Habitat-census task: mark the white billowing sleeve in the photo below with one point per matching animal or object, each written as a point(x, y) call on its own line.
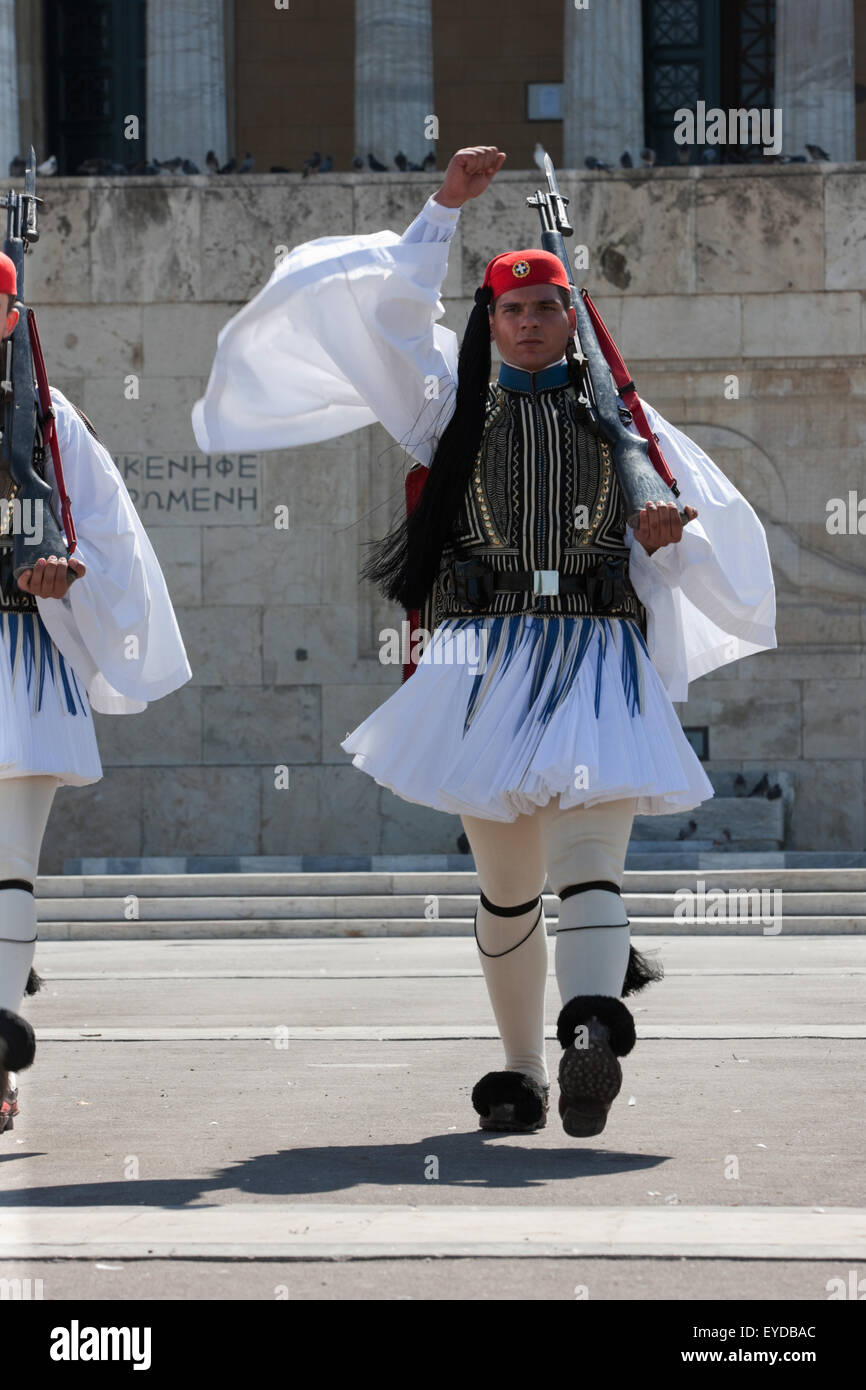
point(343, 334)
point(709, 597)
point(116, 624)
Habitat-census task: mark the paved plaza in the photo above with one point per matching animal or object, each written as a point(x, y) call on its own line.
point(291, 1118)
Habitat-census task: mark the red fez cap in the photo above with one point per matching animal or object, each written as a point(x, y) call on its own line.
point(515, 268)
point(8, 281)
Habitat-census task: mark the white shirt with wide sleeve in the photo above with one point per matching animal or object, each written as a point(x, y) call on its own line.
point(346, 332)
point(116, 625)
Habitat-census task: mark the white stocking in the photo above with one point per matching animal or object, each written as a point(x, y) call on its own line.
point(513, 948)
point(24, 806)
point(586, 845)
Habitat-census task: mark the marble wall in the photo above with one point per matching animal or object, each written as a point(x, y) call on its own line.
point(700, 273)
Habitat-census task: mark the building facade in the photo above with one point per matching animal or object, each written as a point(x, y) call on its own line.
point(737, 295)
point(280, 79)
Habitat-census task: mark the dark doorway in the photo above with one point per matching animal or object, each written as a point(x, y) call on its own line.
point(705, 50)
point(95, 77)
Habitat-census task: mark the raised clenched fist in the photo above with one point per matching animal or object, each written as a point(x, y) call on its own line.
point(468, 174)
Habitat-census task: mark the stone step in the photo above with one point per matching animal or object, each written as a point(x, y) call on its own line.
point(419, 905)
point(652, 856)
point(310, 927)
point(334, 884)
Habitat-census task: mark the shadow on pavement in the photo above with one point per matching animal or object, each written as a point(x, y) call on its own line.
point(466, 1161)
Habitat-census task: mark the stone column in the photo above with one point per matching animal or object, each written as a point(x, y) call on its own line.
point(9, 130)
point(602, 73)
point(393, 79)
point(186, 80)
point(815, 76)
point(30, 41)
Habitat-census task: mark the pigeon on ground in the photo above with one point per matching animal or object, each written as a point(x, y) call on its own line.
point(648, 157)
point(311, 163)
point(190, 168)
point(230, 167)
point(401, 161)
point(625, 160)
point(592, 163)
point(212, 163)
point(247, 164)
point(327, 164)
point(817, 153)
point(375, 165)
point(428, 162)
point(48, 167)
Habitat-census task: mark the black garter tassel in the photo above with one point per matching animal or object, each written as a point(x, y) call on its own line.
point(641, 972)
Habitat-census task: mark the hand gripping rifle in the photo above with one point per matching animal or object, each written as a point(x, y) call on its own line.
point(27, 423)
point(641, 469)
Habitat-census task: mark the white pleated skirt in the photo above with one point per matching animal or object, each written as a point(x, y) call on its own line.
point(46, 724)
point(504, 713)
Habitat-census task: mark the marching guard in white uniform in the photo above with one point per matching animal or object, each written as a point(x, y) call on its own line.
point(109, 641)
point(540, 711)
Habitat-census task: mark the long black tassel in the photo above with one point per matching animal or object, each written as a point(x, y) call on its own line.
point(34, 982)
point(406, 562)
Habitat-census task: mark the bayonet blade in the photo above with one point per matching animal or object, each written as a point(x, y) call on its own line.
point(30, 230)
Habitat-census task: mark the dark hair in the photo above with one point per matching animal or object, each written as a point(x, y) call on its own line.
point(405, 563)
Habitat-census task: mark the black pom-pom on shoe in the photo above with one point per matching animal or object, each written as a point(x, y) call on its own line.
point(511, 1101)
point(34, 982)
point(594, 1031)
point(17, 1042)
point(606, 1010)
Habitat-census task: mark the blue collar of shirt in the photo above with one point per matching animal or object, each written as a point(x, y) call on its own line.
point(515, 379)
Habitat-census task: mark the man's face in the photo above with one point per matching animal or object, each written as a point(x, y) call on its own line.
point(10, 316)
point(531, 326)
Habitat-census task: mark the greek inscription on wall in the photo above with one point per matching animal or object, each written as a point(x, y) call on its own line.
point(203, 489)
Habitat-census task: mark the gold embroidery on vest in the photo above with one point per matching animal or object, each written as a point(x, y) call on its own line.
point(606, 470)
point(480, 495)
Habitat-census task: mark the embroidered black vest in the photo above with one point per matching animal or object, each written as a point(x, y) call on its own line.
point(543, 495)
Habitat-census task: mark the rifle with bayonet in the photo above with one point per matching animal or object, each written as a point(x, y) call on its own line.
point(640, 466)
point(27, 423)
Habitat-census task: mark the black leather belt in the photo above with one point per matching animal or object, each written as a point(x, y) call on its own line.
point(475, 584)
